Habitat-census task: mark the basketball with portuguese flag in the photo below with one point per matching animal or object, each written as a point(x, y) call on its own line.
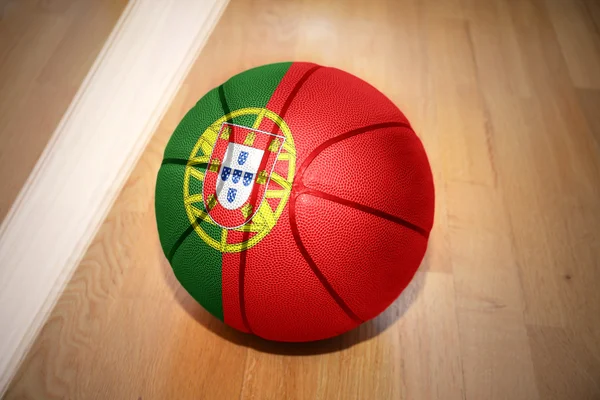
point(294, 202)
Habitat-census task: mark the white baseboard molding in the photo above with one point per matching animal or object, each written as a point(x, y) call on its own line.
point(88, 159)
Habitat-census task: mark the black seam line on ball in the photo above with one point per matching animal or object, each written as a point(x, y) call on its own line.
point(181, 161)
point(223, 99)
point(295, 90)
point(243, 256)
point(190, 229)
point(182, 238)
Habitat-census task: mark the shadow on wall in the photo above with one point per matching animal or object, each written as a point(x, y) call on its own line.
point(364, 332)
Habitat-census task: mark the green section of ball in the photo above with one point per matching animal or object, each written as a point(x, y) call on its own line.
point(171, 217)
point(198, 268)
point(252, 88)
point(197, 265)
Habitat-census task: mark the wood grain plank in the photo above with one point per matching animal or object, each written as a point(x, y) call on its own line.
point(589, 100)
point(497, 57)
point(592, 8)
point(459, 106)
point(548, 169)
point(489, 296)
point(46, 50)
point(565, 367)
point(558, 170)
point(579, 41)
point(489, 304)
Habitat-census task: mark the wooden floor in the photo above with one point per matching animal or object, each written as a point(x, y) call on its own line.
point(505, 95)
point(47, 48)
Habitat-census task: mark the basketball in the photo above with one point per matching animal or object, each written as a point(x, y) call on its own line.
point(294, 202)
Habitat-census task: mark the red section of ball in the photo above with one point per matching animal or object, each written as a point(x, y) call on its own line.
point(284, 300)
point(385, 169)
point(356, 226)
point(363, 256)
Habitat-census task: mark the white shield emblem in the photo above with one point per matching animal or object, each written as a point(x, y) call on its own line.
point(237, 175)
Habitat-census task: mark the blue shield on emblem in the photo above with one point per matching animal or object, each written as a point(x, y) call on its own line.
point(231, 194)
point(225, 172)
point(248, 178)
point(242, 157)
point(237, 174)
point(236, 181)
